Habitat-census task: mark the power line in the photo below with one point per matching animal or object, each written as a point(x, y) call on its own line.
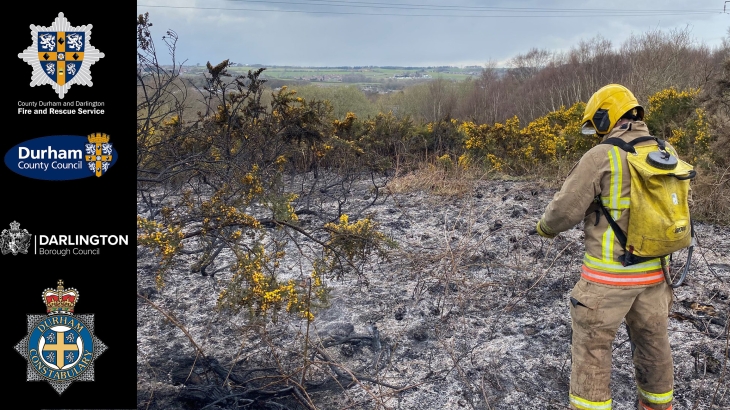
point(411, 6)
point(608, 13)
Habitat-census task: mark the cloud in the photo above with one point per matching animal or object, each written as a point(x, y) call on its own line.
point(410, 33)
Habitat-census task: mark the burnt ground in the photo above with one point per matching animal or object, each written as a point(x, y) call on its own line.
point(467, 312)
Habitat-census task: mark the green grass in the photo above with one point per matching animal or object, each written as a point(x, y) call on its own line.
point(371, 74)
point(357, 76)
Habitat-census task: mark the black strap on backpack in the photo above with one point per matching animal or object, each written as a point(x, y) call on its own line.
point(629, 146)
point(628, 258)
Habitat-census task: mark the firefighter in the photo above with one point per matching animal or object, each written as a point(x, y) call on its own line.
point(609, 292)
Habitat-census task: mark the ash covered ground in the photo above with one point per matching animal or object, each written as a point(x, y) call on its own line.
point(468, 312)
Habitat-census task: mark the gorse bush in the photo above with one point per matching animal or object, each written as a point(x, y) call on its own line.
point(677, 117)
point(213, 189)
point(509, 148)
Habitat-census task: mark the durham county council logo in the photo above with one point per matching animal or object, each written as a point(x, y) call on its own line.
point(61, 55)
point(62, 157)
point(14, 240)
point(61, 347)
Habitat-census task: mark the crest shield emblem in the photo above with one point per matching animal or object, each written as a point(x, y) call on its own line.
point(14, 240)
point(61, 55)
point(60, 347)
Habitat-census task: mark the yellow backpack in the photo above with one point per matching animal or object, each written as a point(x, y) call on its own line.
point(659, 223)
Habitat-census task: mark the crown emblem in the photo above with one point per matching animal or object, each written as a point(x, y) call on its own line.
point(98, 138)
point(60, 300)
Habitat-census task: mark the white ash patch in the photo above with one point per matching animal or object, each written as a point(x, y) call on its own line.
point(471, 312)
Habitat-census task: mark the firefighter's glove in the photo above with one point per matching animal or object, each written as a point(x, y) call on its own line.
point(543, 231)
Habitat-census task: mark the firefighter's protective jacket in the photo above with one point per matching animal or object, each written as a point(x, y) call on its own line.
point(602, 172)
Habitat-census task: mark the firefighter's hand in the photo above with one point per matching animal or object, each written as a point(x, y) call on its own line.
point(542, 231)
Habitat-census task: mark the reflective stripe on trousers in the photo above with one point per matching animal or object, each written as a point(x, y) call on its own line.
point(584, 404)
point(655, 398)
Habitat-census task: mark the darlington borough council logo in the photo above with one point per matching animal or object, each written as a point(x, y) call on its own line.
point(60, 347)
point(14, 240)
point(61, 55)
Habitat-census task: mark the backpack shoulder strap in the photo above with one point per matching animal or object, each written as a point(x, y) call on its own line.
point(628, 258)
point(616, 229)
point(629, 146)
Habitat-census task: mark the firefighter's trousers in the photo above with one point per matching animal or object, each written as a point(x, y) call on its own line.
point(597, 311)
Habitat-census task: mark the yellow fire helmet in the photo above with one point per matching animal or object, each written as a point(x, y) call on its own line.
point(607, 106)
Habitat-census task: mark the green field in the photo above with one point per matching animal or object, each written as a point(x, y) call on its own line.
point(369, 74)
point(353, 75)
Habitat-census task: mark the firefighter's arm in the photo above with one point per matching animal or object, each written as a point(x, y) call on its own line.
point(569, 205)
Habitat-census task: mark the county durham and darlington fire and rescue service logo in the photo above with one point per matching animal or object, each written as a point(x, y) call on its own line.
point(61, 55)
point(60, 347)
point(14, 240)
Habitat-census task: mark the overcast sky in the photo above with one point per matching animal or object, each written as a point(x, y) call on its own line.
point(414, 32)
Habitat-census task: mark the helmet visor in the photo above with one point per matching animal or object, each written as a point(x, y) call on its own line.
point(588, 128)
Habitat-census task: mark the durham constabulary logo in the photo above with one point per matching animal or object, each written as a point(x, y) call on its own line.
point(61, 55)
point(60, 347)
